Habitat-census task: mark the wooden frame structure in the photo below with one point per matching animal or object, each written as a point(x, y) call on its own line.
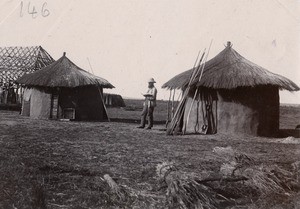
point(14, 63)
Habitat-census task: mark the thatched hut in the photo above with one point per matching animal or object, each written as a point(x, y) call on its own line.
point(62, 90)
point(234, 96)
point(113, 100)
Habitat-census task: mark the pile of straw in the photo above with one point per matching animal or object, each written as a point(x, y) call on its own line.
point(123, 196)
point(183, 189)
point(233, 161)
point(213, 189)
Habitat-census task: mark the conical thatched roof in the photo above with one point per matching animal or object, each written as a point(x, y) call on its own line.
point(230, 70)
point(63, 73)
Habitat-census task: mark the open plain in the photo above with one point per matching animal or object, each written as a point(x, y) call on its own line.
point(56, 164)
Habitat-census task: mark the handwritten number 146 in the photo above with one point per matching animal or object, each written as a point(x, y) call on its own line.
point(31, 10)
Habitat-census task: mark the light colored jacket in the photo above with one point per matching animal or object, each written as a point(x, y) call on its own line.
point(151, 100)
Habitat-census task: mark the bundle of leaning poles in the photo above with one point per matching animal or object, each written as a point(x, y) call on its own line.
point(175, 126)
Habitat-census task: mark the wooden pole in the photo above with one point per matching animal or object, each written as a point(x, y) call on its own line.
point(196, 92)
point(172, 113)
point(168, 109)
point(179, 111)
point(102, 101)
point(186, 92)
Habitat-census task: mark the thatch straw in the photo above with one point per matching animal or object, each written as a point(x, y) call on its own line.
point(63, 73)
point(179, 81)
point(183, 189)
point(264, 181)
point(210, 189)
point(230, 70)
point(232, 160)
point(115, 188)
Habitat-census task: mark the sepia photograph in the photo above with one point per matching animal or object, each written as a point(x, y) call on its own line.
point(150, 104)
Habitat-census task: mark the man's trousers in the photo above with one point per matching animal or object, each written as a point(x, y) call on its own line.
point(147, 111)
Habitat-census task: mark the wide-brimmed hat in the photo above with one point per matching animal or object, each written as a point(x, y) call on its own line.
point(151, 80)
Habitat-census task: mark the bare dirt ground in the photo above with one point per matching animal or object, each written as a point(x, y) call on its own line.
point(54, 164)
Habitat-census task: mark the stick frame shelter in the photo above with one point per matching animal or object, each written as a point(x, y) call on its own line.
point(14, 63)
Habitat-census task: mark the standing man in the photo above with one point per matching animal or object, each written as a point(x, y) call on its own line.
point(149, 104)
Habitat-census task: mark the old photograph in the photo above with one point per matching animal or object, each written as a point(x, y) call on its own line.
point(177, 104)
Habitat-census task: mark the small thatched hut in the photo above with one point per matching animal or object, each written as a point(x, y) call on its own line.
point(113, 100)
point(62, 90)
point(234, 96)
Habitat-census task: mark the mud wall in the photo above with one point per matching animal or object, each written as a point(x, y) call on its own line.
point(246, 110)
point(40, 103)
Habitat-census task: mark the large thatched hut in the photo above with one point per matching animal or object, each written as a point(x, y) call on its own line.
point(234, 96)
point(62, 90)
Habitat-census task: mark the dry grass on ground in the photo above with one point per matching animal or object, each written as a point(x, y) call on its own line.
point(56, 164)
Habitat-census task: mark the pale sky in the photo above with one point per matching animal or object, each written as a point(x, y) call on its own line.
point(129, 41)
